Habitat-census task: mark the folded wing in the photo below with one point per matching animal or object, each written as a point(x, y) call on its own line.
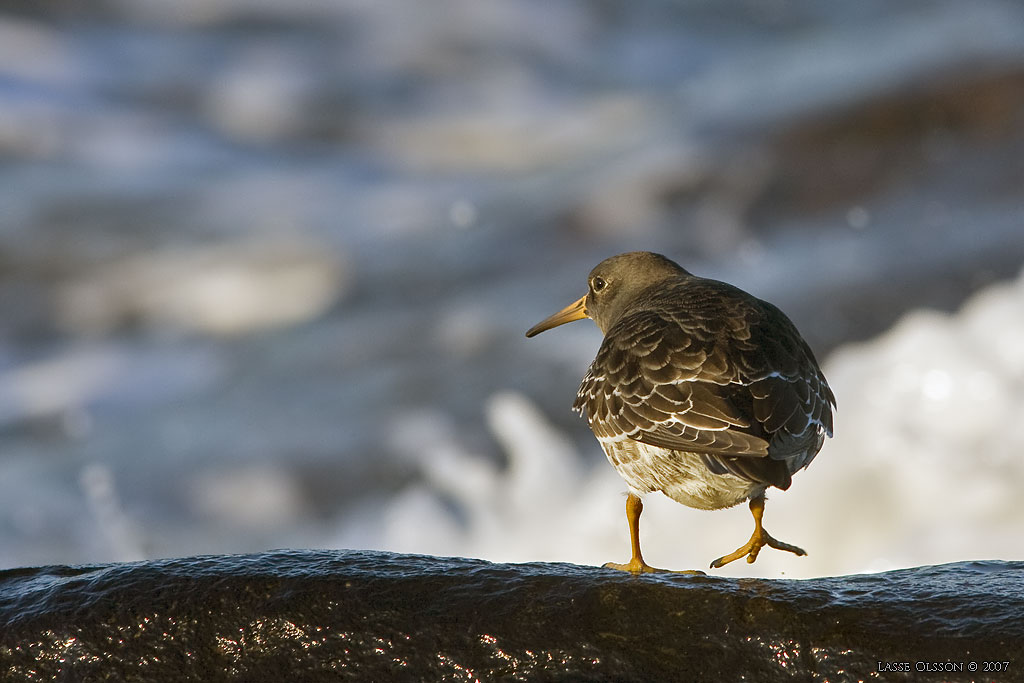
point(748, 394)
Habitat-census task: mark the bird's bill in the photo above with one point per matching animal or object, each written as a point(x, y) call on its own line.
point(577, 310)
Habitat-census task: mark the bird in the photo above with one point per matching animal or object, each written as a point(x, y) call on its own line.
point(699, 390)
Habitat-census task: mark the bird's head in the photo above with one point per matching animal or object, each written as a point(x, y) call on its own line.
point(612, 285)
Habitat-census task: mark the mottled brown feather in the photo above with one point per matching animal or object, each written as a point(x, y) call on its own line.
point(699, 366)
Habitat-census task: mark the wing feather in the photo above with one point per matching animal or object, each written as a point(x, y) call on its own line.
point(735, 385)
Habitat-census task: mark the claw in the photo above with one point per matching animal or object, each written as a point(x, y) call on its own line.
point(759, 539)
point(638, 566)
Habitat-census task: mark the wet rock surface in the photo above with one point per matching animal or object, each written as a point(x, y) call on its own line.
point(344, 615)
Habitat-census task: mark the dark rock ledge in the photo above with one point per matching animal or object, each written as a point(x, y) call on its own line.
point(337, 615)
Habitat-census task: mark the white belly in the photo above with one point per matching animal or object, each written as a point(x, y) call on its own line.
point(681, 476)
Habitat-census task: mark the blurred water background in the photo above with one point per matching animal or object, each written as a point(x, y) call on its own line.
point(265, 268)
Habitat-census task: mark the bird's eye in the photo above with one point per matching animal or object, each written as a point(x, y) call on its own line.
point(598, 284)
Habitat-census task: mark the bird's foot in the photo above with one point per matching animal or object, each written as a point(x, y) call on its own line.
point(638, 566)
point(759, 539)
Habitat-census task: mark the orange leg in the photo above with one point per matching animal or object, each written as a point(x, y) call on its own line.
point(759, 539)
point(636, 564)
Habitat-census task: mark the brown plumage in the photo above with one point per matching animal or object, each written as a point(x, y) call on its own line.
point(699, 390)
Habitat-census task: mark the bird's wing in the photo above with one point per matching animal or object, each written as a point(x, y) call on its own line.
point(790, 398)
point(654, 382)
point(720, 392)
